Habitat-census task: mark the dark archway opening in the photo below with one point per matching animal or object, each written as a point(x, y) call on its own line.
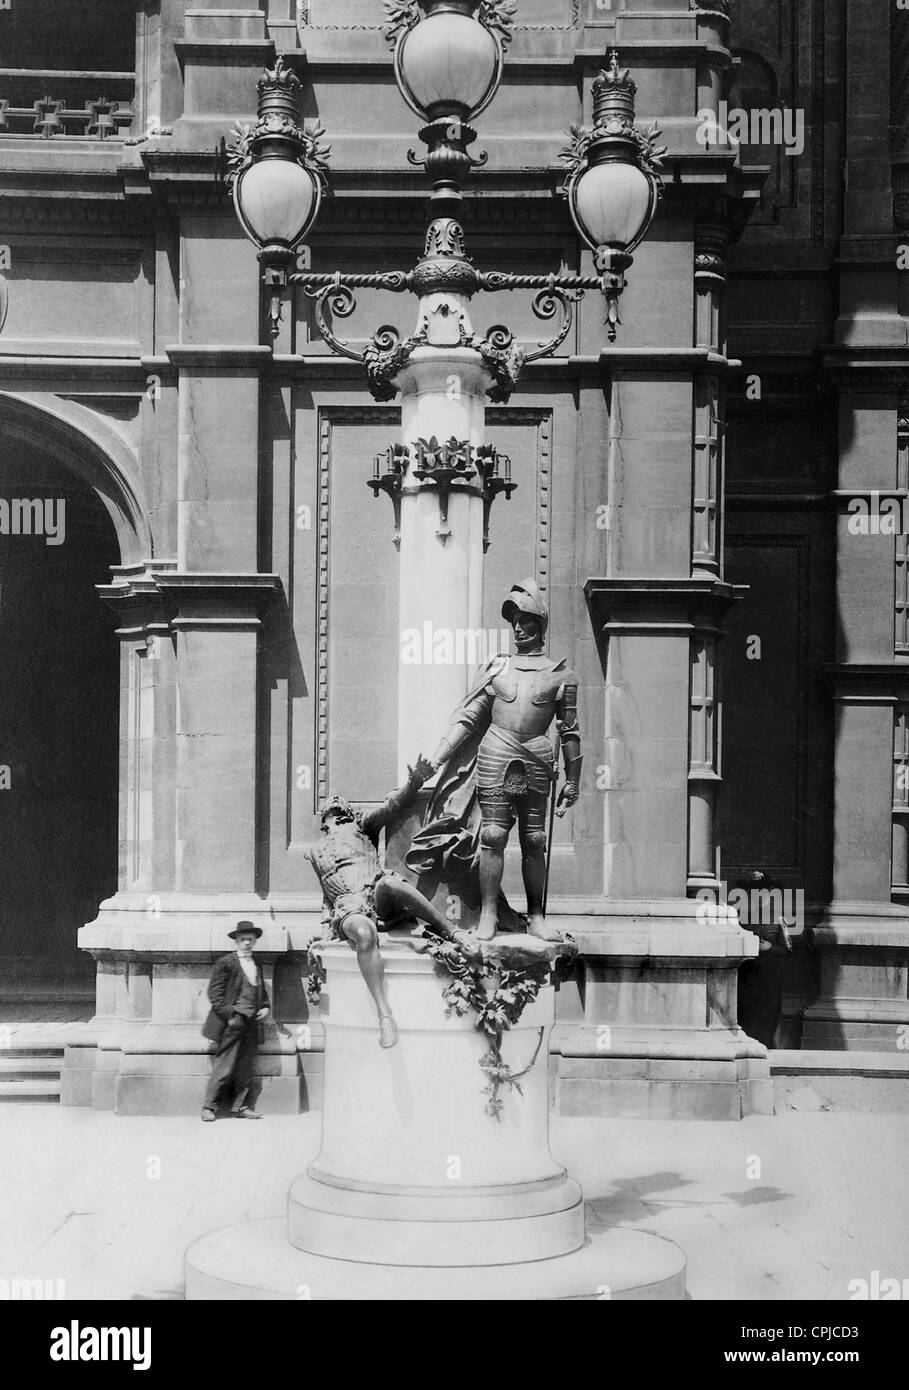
point(59, 733)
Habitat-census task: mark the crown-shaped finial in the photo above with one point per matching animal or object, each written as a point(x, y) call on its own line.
point(613, 96)
point(280, 101)
point(280, 76)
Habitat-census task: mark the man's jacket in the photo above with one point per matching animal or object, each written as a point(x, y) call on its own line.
point(223, 989)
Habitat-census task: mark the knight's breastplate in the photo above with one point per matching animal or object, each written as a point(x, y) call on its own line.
point(525, 697)
point(346, 862)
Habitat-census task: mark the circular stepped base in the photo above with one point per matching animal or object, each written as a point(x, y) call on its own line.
point(533, 1221)
point(256, 1261)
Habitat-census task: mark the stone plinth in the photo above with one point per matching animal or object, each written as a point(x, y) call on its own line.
point(412, 1170)
point(144, 1053)
point(863, 1004)
point(417, 1191)
point(652, 1030)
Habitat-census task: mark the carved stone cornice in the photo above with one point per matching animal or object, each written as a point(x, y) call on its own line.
point(218, 357)
point(629, 607)
point(303, 21)
point(87, 375)
point(230, 602)
point(43, 211)
point(610, 361)
point(870, 370)
point(868, 682)
point(252, 52)
point(156, 598)
point(135, 597)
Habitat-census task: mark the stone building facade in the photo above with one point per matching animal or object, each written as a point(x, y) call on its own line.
point(214, 646)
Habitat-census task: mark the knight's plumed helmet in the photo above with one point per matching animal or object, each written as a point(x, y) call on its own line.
point(526, 598)
point(337, 806)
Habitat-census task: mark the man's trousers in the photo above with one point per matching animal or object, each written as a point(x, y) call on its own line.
point(233, 1064)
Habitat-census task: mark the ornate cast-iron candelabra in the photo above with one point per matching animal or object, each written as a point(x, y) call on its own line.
point(448, 63)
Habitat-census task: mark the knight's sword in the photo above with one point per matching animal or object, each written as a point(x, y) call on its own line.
point(552, 801)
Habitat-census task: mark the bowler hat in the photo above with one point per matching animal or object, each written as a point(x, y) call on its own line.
point(245, 927)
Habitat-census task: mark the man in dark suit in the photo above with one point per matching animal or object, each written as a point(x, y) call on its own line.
point(238, 1004)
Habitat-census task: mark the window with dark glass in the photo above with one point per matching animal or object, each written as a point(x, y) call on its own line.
point(69, 35)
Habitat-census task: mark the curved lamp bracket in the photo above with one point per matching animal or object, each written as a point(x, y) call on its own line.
point(340, 300)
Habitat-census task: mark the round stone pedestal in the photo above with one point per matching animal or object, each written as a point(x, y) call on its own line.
point(255, 1261)
point(412, 1169)
point(417, 1191)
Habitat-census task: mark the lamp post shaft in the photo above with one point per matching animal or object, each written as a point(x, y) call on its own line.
point(443, 391)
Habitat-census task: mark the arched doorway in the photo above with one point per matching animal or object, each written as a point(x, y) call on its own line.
point(59, 721)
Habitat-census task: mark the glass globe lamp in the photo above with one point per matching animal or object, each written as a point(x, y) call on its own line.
point(448, 64)
point(613, 204)
point(277, 201)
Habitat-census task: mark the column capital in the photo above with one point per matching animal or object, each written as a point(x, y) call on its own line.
point(711, 244)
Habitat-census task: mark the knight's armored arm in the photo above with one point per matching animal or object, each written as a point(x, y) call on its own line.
point(567, 721)
point(469, 718)
point(451, 742)
point(399, 800)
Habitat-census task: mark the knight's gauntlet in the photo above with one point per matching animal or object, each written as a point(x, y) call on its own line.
point(573, 767)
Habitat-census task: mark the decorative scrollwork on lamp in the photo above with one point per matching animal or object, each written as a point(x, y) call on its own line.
point(385, 357)
point(448, 64)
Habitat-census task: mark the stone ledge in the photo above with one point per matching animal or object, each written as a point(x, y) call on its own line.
point(217, 356)
point(681, 1099)
point(787, 1062)
point(643, 1050)
point(622, 932)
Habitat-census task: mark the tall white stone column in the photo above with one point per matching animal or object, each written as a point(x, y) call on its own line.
point(443, 396)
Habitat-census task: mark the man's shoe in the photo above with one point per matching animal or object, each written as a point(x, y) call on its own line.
point(208, 1116)
point(246, 1113)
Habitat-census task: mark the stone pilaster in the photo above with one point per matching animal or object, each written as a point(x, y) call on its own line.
point(222, 52)
point(659, 1033)
point(863, 936)
point(189, 837)
point(191, 630)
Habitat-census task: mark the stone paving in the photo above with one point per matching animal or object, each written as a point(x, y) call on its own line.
point(790, 1206)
